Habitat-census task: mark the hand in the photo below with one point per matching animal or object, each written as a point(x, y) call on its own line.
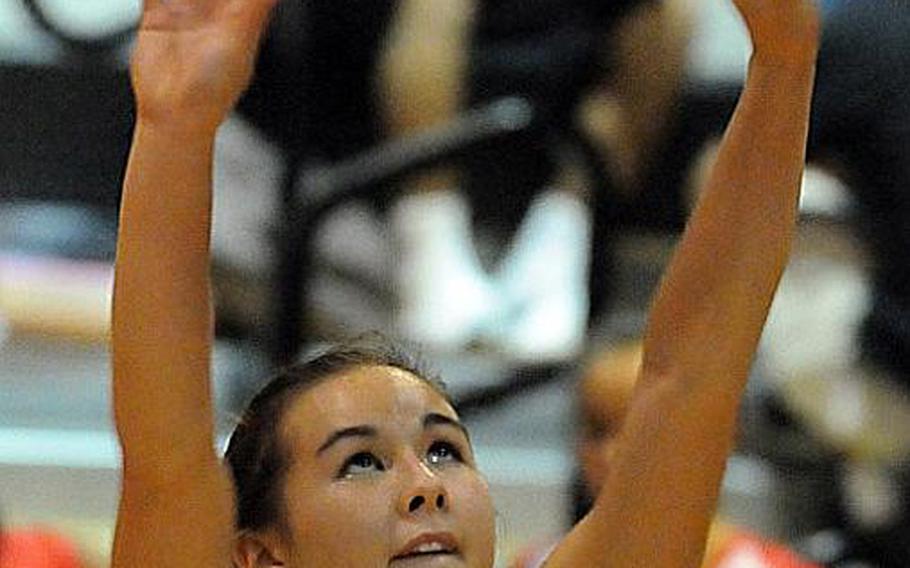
point(194, 58)
point(783, 31)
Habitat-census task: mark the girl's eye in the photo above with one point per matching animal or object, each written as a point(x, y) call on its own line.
point(362, 462)
point(443, 452)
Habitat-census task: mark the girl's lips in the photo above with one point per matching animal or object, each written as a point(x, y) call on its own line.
point(428, 543)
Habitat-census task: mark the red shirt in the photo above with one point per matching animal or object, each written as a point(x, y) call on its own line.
point(36, 549)
point(745, 550)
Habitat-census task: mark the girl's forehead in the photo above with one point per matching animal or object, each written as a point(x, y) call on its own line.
point(382, 397)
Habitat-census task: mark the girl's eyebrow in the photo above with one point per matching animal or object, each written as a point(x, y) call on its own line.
point(435, 419)
point(368, 431)
point(361, 431)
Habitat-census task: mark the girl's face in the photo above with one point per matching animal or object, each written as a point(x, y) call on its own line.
point(382, 474)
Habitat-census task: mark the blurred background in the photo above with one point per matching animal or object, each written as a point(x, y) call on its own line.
point(498, 184)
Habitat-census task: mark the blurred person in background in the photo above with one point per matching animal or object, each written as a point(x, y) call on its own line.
point(611, 71)
point(603, 395)
point(861, 130)
point(313, 92)
point(331, 83)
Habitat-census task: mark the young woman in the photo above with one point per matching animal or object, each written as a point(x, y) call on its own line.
point(365, 463)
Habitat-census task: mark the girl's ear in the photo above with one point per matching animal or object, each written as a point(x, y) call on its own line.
point(257, 550)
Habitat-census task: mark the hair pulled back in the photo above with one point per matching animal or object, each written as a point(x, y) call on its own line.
point(255, 453)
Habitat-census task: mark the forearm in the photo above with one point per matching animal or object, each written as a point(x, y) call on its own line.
point(162, 323)
point(710, 309)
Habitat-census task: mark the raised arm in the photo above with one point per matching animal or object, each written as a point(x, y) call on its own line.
point(707, 318)
point(192, 60)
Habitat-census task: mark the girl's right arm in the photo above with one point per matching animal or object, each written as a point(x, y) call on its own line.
point(192, 60)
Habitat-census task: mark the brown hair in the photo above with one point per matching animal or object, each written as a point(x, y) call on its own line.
point(255, 454)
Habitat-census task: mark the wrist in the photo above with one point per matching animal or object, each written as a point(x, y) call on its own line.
point(796, 57)
point(186, 133)
point(794, 45)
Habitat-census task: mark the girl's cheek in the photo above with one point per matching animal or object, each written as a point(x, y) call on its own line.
point(474, 491)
